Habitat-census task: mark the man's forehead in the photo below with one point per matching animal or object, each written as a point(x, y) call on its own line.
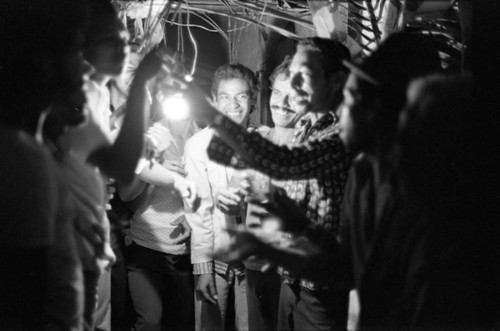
point(282, 80)
point(236, 85)
point(306, 56)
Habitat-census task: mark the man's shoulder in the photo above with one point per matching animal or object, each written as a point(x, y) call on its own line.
point(263, 130)
point(20, 147)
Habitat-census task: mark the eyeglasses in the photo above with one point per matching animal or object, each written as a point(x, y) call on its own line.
point(240, 98)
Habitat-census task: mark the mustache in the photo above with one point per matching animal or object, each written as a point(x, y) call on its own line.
point(283, 108)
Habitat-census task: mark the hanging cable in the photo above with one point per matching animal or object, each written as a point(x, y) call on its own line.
point(195, 46)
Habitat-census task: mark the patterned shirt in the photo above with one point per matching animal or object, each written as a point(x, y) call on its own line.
point(316, 167)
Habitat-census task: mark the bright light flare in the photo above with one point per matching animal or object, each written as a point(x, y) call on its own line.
point(176, 107)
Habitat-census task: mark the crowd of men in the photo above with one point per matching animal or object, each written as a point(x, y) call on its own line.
point(357, 210)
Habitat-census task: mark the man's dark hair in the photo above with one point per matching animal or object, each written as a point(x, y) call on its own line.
point(231, 71)
point(331, 53)
point(35, 36)
point(435, 143)
point(95, 12)
point(282, 69)
point(399, 59)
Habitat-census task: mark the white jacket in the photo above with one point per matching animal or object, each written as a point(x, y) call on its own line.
point(208, 222)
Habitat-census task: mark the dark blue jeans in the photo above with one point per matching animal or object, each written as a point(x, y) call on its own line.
point(161, 288)
point(263, 293)
point(303, 309)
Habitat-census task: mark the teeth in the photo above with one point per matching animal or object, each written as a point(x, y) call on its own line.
point(282, 112)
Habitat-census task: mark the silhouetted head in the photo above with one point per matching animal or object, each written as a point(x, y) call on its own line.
point(434, 142)
point(375, 91)
point(40, 59)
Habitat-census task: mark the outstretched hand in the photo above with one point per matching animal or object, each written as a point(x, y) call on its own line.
point(159, 137)
point(243, 244)
point(150, 65)
point(290, 214)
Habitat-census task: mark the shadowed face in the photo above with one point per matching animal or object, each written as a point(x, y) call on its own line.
point(308, 81)
point(356, 126)
point(73, 78)
point(108, 51)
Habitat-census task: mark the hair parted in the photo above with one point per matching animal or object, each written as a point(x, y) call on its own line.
point(232, 71)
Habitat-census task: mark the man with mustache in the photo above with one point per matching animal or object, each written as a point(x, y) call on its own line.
point(263, 288)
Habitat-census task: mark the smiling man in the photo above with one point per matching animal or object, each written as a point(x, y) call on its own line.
point(234, 90)
point(263, 288)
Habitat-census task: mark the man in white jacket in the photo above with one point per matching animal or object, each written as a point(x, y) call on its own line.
point(234, 90)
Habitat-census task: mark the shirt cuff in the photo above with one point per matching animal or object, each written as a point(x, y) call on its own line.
point(203, 268)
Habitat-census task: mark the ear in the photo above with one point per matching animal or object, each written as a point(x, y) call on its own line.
point(337, 81)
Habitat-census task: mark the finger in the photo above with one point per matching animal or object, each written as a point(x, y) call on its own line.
point(229, 200)
point(182, 237)
point(191, 201)
point(206, 296)
point(176, 168)
point(223, 208)
point(212, 292)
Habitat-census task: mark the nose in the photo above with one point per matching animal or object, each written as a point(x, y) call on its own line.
point(233, 102)
point(286, 101)
point(296, 81)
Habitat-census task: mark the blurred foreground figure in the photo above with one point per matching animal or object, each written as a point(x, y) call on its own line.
point(453, 280)
point(41, 65)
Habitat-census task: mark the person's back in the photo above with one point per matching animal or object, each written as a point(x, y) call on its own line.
point(28, 228)
point(375, 215)
point(41, 67)
point(457, 284)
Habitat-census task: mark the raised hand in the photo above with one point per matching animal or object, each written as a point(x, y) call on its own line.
point(159, 137)
point(150, 65)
